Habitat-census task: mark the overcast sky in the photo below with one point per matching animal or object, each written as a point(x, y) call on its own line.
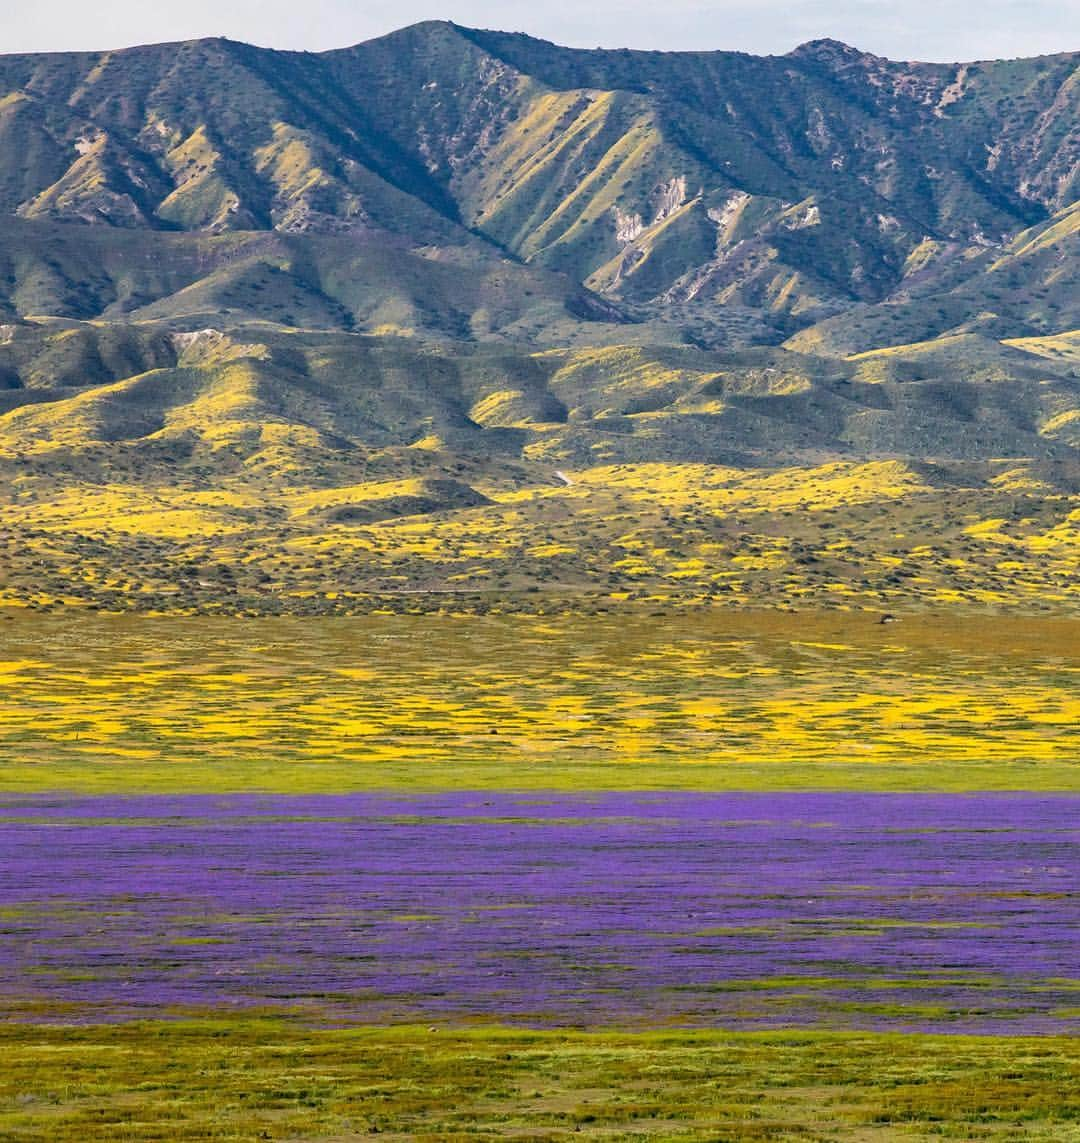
point(903, 29)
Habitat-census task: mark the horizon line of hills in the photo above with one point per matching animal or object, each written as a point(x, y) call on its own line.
point(815, 43)
point(479, 243)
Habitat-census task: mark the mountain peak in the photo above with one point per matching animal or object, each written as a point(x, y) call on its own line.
point(827, 48)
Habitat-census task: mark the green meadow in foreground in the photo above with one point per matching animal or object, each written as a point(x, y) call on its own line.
point(250, 1078)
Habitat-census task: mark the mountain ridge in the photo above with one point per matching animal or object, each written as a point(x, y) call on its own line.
point(815, 42)
point(693, 189)
point(271, 311)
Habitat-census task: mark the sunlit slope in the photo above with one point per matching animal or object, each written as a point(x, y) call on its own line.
point(821, 190)
point(1026, 286)
point(798, 186)
point(88, 388)
point(319, 472)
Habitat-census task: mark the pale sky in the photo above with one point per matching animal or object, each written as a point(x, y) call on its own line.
point(902, 29)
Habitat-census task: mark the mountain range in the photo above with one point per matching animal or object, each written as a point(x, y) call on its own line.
point(294, 295)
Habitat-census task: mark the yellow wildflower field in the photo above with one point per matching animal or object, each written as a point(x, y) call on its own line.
point(709, 699)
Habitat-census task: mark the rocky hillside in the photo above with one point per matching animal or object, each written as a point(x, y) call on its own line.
point(276, 323)
point(751, 197)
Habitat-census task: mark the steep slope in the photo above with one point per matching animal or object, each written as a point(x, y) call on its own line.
point(209, 135)
point(794, 185)
point(1024, 287)
point(464, 312)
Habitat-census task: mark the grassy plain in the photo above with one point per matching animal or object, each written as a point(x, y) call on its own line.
point(606, 660)
point(641, 695)
point(635, 698)
point(247, 1079)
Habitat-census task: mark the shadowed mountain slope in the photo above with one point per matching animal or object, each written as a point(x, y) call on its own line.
point(645, 321)
point(795, 184)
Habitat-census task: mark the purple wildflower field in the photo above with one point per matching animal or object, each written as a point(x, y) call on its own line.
point(850, 910)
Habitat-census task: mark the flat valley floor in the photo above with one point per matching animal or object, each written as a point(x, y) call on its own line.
point(689, 875)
